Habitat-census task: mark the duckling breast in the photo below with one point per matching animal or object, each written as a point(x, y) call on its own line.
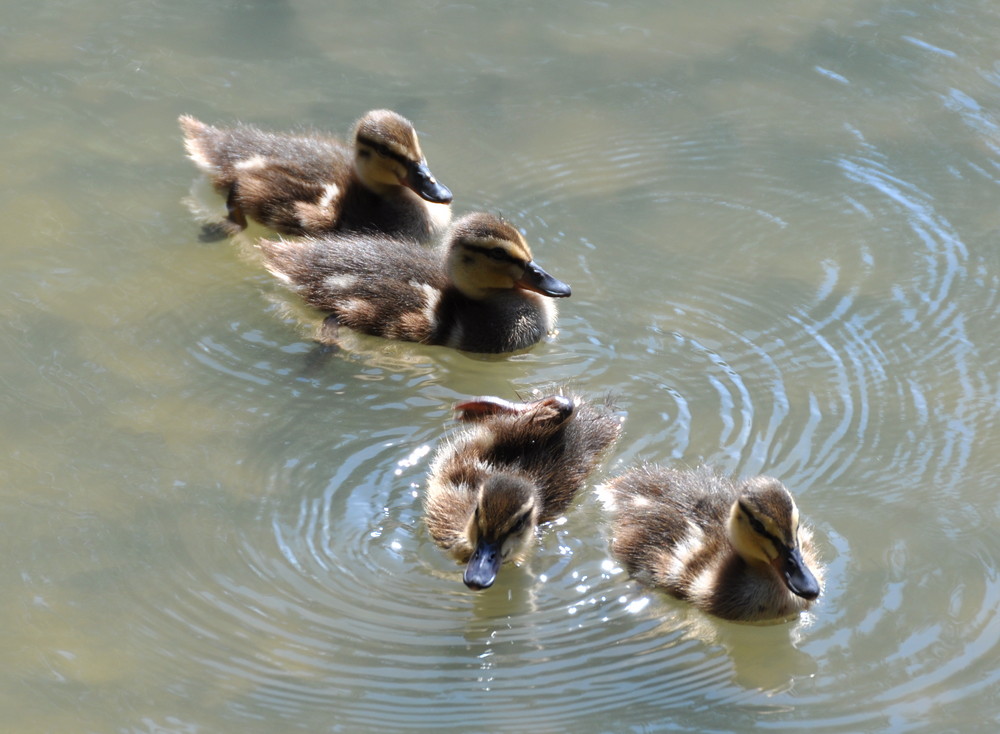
point(506, 322)
point(749, 593)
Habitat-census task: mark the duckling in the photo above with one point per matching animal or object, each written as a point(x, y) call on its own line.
point(733, 550)
point(480, 291)
point(515, 467)
point(310, 184)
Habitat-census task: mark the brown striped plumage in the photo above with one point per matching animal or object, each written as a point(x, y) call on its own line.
point(733, 550)
point(310, 184)
point(480, 291)
point(514, 467)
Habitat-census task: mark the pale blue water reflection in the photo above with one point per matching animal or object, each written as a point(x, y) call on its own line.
point(779, 221)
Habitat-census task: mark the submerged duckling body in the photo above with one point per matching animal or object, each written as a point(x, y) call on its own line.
point(735, 550)
point(515, 467)
point(309, 184)
point(480, 291)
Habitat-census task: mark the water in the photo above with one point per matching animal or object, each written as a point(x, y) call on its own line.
point(779, 221)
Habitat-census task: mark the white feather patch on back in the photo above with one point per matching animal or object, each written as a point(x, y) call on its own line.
point(330, 192)
point(431, 297)
point(685, 551)
point(253, 163)
point(340, 282)
point(702, 586)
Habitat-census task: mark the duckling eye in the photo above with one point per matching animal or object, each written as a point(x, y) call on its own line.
point(758, 527)
point(756, 524)
point(520, 524)
point(379, 149)
point(497, 253)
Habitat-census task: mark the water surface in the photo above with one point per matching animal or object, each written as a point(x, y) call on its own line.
point(779, 221)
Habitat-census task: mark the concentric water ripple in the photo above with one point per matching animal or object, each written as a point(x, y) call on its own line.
point(359, 602)
point(780, 230)
point(327, 595)
point(760, 364)
point(812, 391)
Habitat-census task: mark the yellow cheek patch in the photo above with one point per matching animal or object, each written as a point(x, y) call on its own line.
point(767, 548)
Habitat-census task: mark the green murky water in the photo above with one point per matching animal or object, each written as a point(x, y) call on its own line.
point(779, 221)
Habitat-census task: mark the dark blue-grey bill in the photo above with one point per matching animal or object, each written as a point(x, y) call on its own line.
point(482, 569)
point(421, 180)
point(536, 279)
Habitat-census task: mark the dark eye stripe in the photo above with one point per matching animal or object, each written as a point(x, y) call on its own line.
point(521, 522)
point(496, 253)
point(758, 527)
point(386, 151)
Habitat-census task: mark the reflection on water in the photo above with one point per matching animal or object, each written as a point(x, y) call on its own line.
point(779, 225)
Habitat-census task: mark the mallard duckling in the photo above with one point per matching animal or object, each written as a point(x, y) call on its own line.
point(516, 467)
point(481, 291)
point(733, 550)
point(310, 184)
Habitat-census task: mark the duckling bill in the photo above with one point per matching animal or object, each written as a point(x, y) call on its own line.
point(734, 550)
point(308, 183)
point(480, 291)
point(514, 467)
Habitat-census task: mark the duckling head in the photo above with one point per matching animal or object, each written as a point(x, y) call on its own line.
point(487, 254)
point(764, 529)
point(501, 528)
point(387, 154)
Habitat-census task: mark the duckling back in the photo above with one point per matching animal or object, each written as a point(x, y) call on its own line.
point(223, 153)
point(376, 285)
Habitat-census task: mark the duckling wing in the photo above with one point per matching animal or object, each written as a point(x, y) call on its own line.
point(668, 525)
point(700, 495)
point(293, 183)
point(558, 460)
point(377, 286)
point(587, 438)
point(293, 199)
